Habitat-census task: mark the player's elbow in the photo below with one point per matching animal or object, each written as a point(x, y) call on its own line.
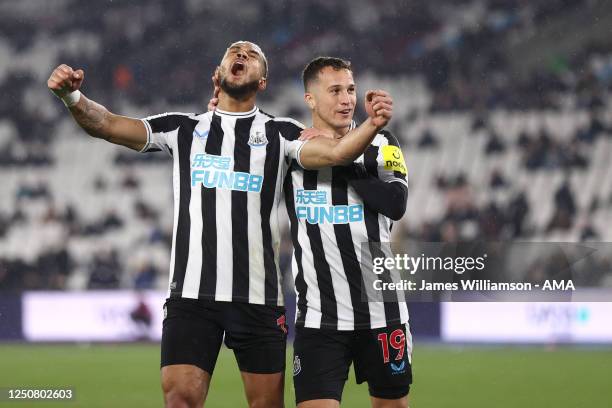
point(399, 202)
point(397, 212)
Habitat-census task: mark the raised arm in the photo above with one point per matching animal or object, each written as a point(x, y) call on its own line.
point(323, 152)
point(94, 118)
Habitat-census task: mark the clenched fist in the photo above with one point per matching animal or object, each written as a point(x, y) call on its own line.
point(379, 107)
point(64, 80)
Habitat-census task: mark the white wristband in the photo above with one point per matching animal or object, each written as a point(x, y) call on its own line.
point(72, 98)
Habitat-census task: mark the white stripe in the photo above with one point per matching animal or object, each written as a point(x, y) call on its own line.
point(275, 221)
point(360, 236)
point(193, 273)
point(397, 180)
point(313, 296)
point(298, 159)
point(176, 184)
point(256, 261)
point(380, 140)
point(235, 115)
point(171, 113)
point(342, 293)
point(225, 250)
point(149, 131)
point(409, 344)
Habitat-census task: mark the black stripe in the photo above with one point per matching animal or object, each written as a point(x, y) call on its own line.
point(165, 123)
point(370, 160)
point(399, 175)
point(350, 264)
point(268, 195)
point(267, 114)
point(181, 249)
point(240, 228)
point(391, 140)
point(329, 311)
point(208, 282)
point(392, 313)
point(300, 283)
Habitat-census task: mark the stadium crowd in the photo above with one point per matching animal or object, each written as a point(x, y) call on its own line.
point(490, 156)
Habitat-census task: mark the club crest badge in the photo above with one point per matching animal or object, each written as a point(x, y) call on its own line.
point(297, 366)
point(257, 139)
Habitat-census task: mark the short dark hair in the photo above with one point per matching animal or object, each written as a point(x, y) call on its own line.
point(316, 65)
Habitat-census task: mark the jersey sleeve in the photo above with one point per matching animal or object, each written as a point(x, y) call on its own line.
point(290, 132)
point(387, 160)
point(162, 131)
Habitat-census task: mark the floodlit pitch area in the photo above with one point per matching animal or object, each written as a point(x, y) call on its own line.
point(128, 375)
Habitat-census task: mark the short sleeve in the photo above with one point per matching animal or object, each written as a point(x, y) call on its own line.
point(290, 132)
point(387, 160)
point(162, 131)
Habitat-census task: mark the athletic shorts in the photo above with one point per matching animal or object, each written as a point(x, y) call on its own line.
point(322, 358)
point(193, 331)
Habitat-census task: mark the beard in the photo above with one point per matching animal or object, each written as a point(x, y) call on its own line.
point(239, 92)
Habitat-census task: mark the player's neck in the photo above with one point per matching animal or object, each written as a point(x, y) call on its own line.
point(319, 123)
point(229, 104)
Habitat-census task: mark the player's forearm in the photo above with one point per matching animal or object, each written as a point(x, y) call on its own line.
point(354, 143)
point(323, 152)
point(100, 123)
point(92, 117)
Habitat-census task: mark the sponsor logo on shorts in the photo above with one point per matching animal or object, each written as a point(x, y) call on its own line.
point(394, 159)
point(297, 365)
point(281, 322)
point(398, 369)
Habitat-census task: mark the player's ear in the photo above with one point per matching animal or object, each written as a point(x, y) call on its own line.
point(309, 99)
point(263, 82)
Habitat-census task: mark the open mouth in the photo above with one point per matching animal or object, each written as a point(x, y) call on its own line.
point(238, 67)
point(345, 111)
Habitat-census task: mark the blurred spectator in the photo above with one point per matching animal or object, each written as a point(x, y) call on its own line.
point(494, 144)
point(497, 180)
point(427, 140)
point(565, 209)
point(144, 211)
point(517, 210)
point(130, 182)
point(105, 271)
point(146, 276)
point(491, 222)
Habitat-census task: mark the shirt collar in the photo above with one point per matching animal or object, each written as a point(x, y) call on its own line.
point(237, 114)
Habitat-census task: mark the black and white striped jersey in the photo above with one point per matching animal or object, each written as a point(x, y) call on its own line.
point(227, 177)
point(329, 224)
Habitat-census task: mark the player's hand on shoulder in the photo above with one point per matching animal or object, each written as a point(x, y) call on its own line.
point(379, 107)
point(214, 101)
point(311, 133)
point(64, 80)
